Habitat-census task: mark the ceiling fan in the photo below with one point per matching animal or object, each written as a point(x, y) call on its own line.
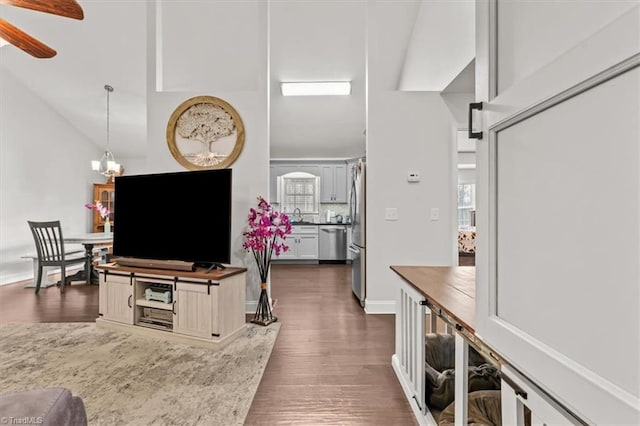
point(22, 40)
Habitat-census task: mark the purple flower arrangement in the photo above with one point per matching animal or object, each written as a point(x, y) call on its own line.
point(268, 229)
point(102, 210)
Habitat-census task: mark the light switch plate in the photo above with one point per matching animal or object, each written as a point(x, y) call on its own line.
point(391, 213)
point(435, 213)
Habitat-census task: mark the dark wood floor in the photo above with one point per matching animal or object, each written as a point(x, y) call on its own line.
point(331, 364)
point(465, 259)
point(79, 303)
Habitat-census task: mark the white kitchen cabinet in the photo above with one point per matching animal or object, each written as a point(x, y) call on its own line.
point(277, 170)
point(333, 183)
point(302, 242)
point(283, 169)
point(307, 247)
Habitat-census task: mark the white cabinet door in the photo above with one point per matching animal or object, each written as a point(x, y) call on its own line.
point(193, 307)
point(116, 298)
point(301, 247)
point(340, 183)
point(307, 247)
point(292, 243)
point(333, 183)
point(326, 183)
point(558, 199)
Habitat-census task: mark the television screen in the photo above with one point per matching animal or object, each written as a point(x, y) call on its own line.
point(184, 216)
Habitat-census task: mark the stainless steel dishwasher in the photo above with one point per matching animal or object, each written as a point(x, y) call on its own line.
point(332, 243)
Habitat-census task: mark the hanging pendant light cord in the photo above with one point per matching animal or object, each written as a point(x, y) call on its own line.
point(109, 89)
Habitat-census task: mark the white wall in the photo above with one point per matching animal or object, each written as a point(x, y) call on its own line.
point(458, 105)
point(406, 131)
point(442, 44)
point(250, 170)
point(45, 174)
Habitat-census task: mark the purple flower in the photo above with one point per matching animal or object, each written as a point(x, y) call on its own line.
point(268, 229)
point(102, 210)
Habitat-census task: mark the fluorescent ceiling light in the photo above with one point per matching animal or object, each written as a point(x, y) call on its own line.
point(315, 88)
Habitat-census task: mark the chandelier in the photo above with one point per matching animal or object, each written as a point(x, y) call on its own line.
point(107, 165)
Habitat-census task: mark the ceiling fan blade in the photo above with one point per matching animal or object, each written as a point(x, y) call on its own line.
point(24, 41)
point(66, 8)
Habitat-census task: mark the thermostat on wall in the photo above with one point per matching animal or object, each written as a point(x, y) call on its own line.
point(413, 177)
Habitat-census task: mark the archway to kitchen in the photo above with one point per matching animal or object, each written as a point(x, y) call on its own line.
point(315, 141)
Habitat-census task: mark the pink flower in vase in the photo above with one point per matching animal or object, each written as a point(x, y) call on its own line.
point(102, 210)
point(268, 229)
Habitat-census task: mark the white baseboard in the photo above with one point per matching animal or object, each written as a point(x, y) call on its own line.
point(24, 276)
point(380, 306)
point(16, 277)
point(250, 306)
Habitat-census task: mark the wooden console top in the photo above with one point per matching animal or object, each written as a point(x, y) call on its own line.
point(452, 289)
point(200, 273)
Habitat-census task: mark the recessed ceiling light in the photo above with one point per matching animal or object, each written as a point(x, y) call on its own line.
point(315, 88)
point(466, 166)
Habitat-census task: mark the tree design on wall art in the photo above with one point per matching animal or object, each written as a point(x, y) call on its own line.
point(205, 132)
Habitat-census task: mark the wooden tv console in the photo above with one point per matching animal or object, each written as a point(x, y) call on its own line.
point(204, 308)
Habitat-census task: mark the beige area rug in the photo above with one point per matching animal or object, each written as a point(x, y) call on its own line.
point(127, 379)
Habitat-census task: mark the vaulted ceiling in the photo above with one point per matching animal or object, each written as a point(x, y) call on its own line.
point(308, 41)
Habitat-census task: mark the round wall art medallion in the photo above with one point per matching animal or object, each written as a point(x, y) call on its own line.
point(205, 132)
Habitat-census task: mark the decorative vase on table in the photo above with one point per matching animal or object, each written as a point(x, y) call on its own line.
point(268, 229)
point(103, 212)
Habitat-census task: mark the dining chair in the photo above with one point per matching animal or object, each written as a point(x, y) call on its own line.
point(50, 248)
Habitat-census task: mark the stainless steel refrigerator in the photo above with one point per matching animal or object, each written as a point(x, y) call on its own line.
point(358, 242)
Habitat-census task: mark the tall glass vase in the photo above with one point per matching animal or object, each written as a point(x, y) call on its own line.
point(107, 226)
point(263, 314)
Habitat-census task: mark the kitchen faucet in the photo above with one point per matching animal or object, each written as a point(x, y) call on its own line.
point(299, 216)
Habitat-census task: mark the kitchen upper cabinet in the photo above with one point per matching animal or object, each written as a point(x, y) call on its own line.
point(333, 183)
point(277, 169)
point(283, 169)
point(333, 179)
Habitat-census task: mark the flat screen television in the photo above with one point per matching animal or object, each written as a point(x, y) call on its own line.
point(181, 216)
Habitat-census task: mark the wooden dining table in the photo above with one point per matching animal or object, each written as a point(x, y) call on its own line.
point(89, 241)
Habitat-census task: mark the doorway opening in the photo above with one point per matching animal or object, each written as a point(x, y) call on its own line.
point(466, 198)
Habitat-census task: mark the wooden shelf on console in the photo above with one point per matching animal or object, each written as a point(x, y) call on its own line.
point(154, 304)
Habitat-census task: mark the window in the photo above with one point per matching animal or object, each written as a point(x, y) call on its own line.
point(299, 191)
point(466, 205)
